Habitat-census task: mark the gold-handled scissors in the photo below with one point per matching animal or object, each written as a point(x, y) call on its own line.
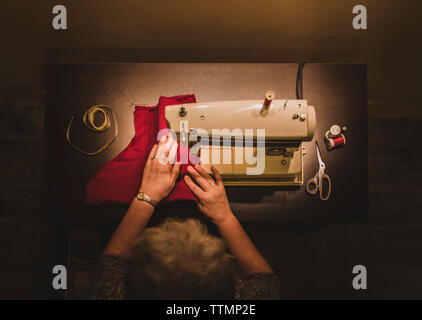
point(317, 182)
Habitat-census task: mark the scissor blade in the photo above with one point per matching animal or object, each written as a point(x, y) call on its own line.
point(319, 154)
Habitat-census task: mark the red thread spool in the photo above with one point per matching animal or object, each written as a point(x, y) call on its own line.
point(335, 142)
point(269, 96)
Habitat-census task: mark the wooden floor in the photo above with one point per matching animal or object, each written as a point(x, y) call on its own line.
point(311, 261)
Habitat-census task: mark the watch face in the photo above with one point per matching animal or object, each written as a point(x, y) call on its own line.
point(144, 197)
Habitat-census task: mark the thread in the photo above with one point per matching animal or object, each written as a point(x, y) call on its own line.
point(269, 96)
point(335, 142)
point(335, 130)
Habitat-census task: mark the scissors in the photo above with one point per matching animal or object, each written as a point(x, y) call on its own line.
point(316, 183)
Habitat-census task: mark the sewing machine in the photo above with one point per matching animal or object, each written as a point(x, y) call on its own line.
point(287, 124)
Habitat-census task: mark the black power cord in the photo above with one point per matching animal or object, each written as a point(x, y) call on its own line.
point(299, 81)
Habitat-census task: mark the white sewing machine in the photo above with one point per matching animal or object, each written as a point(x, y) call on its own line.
point(287, 124)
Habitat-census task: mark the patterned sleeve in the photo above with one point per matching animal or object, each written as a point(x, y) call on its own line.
point(260, 286)
point(110, 279)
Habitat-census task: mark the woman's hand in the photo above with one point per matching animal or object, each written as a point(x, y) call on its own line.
point(160, 174)
point(214, 204)
point(211, 194)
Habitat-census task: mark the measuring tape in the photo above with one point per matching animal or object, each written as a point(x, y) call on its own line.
point(88, 120)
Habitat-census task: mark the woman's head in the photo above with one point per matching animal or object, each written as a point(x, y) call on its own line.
point(180, 260)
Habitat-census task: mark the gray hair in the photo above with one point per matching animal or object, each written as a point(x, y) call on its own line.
point(180, 260)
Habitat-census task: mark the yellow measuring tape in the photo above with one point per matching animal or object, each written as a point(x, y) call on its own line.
point(88, 120)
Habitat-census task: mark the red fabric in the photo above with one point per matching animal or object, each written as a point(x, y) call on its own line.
point(119, 180)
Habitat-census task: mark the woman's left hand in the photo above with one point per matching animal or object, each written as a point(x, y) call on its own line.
point(160, 174)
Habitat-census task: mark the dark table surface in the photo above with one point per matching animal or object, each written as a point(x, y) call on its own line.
point(338, 92)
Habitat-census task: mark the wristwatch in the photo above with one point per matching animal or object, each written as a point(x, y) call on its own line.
point(144, 197)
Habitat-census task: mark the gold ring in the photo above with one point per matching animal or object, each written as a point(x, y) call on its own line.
point(212, 184)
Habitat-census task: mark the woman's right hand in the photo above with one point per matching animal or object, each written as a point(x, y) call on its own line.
point(212, 198)
point(214, 204)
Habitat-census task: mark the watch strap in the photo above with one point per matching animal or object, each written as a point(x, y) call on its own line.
point(144, 197)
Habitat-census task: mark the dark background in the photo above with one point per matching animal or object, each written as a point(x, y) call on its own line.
point(312, 261)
